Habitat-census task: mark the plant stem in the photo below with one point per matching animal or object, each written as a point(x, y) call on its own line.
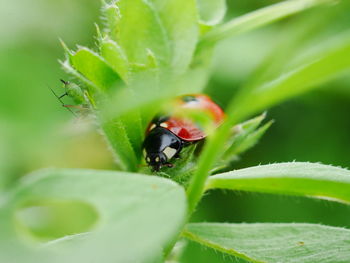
point(213, 148)
point(260, 18)
point(210, 155)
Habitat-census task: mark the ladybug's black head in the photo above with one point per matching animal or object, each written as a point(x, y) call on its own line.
point(156, 160)
point(160, 146)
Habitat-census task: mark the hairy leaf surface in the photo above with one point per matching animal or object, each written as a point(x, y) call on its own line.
point(275, 243)
point(296, 178)
point(137, 216)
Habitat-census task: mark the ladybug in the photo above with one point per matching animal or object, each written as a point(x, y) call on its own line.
point(167, 135)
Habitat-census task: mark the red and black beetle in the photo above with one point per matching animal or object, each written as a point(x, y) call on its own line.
point(167, 135)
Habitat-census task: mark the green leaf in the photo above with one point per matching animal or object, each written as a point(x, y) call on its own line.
point(136, 27)
point(115, 57)
point(114, 128)
point(124, 133)
point(110, 16)
point(120, 142)
point(141, 25)
point(245, 136)
point(179, 18)
point(305, 179)
point(307, 75)
point(138, 215)
point(135, 131)
point(132, 121)
point(260, 18)
point(275, 243)
point(211, 12)
point(249, 141)
point(87, 84)
point(95, 69)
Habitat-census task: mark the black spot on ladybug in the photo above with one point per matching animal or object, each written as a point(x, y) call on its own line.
point(160, 119)
point(189, 98)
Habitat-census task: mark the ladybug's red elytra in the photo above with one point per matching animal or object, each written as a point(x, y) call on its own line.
point(167, 135)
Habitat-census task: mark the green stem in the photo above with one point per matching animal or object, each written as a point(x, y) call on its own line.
point(210, 155)
point(212, 151)
point(260, 18)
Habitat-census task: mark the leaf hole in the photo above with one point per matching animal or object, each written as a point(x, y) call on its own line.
point(51, 219)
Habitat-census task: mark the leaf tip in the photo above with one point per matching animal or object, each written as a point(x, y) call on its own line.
point(65, 48)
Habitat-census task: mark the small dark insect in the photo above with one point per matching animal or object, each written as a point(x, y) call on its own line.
point(166, 136)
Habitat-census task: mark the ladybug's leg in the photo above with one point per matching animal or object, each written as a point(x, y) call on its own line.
point(186, 143)
point(199, 147)
point(155, 168)
point(177, 155)
point(82, 109)
point(79, 107)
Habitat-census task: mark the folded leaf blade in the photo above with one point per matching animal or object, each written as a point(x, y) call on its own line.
point(260, 18)
point(296, 178)
point(95, 69)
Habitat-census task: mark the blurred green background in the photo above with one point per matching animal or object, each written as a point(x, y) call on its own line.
point(36, 132)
